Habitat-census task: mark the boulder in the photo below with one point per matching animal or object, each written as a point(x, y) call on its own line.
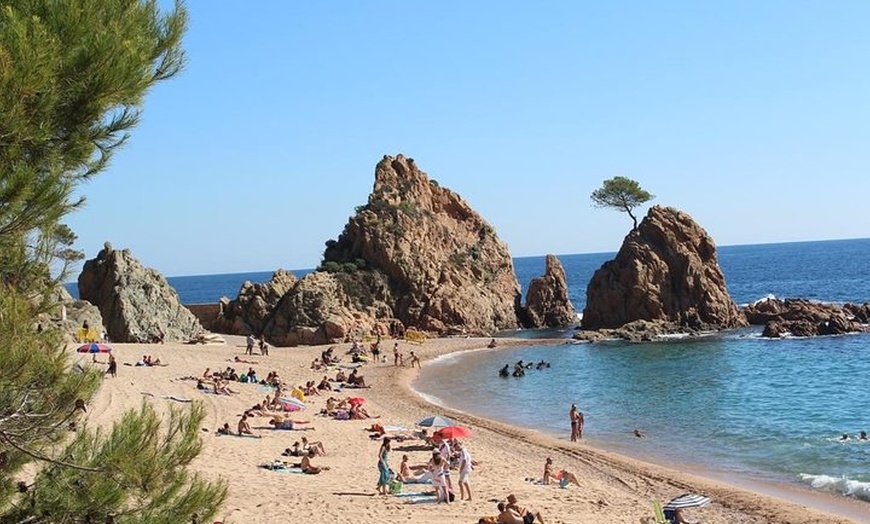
point(327, 307)
point(443, 263)
point(547, 303)
point(137, 303)
point(250, 310)
point(806, 318)
point(666, 271)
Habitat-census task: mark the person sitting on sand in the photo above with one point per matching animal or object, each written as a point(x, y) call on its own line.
point(675, 516)
point(207, 375)
point(356, 380)
point(416, 474)
point(491, 344)
point(324, 384)
point(562, 476)
point(308, 467)
point(294, 451)
point(528, 516)
point(358, 412)
point(225, 430)
point(509, 516)
point(221, 388)
point(340, 376)
point(315, 365)
point(244, 427)
point(316, 445)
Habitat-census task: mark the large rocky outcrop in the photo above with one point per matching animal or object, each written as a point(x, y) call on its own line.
point(667, 272)
point(331, 307)
point(250, 310)
point(547, 303)
point(806, 318)
point(137, 304)
point(445, 266)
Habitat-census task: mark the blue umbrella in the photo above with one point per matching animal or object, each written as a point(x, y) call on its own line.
point(94, 348)
point(436, 421)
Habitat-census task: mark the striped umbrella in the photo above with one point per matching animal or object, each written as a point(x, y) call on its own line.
point(435, 421)
point(687, 500)
point(94, 348)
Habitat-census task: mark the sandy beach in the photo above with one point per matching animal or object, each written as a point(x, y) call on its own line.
point(614, 489)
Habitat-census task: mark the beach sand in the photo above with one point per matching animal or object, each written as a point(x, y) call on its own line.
point(615, 489)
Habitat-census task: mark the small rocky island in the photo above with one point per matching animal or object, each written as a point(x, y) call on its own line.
point(665, 279)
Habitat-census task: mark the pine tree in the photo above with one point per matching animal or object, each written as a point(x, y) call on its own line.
point(73, 76)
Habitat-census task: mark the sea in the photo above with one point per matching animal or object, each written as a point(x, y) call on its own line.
point(734, 404)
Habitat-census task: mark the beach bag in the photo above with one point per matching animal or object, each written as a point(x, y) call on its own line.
point(395, 487)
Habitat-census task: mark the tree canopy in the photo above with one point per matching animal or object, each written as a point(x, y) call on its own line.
point(623, 194)
point(73, 77)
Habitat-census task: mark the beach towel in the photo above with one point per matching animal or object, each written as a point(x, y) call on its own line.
point(281, 468)
point(426, 499)
point(413, 494)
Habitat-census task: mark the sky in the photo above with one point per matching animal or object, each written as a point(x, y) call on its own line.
point(753, 117)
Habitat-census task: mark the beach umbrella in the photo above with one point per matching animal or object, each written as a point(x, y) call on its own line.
point(688, 500)
point(356, 401)
point(436, 421)
point(94, 348)
point(453, 432)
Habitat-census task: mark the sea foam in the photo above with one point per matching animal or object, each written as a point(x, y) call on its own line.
point(839, 485)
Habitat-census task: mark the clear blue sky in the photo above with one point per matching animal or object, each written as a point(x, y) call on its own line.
point(753, 117)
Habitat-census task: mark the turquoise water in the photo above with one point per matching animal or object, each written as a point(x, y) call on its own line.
point(736, 403)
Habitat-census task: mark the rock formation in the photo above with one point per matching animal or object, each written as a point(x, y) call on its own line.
point(250, 310)
point(547, 303)
point(806, 318)
point(69, 314)
point(331, 307)
point(137, 304)
point(445, 266)
point(666, 272)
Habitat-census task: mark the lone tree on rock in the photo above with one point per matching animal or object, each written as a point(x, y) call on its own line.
point(623, 194)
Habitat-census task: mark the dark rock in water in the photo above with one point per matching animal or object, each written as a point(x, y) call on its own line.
point(805, 318)
point(445, 266)
point(137, 303)
point(250, 310)
point(665, 272)
point(547, 303)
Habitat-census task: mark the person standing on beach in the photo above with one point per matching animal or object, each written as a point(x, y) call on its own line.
point(113, 366)
point(249, 344)
point(465, 468)
point(396, 354)
point(580, 421)
point(384, 467)
point(573, 415)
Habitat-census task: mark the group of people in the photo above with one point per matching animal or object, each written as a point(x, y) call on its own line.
point(260, 341)
point(520, 368)
point(449, 454)
point(577, 422)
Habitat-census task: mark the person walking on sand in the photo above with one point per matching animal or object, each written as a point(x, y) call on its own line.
point(574, 417)
point(384, 467)
point(113, 366)
point(415, 361)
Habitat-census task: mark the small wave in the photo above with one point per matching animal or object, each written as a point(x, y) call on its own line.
point(765, 298)
point(839, 485)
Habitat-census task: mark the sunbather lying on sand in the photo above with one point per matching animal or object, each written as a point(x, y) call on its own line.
point(288, 424)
